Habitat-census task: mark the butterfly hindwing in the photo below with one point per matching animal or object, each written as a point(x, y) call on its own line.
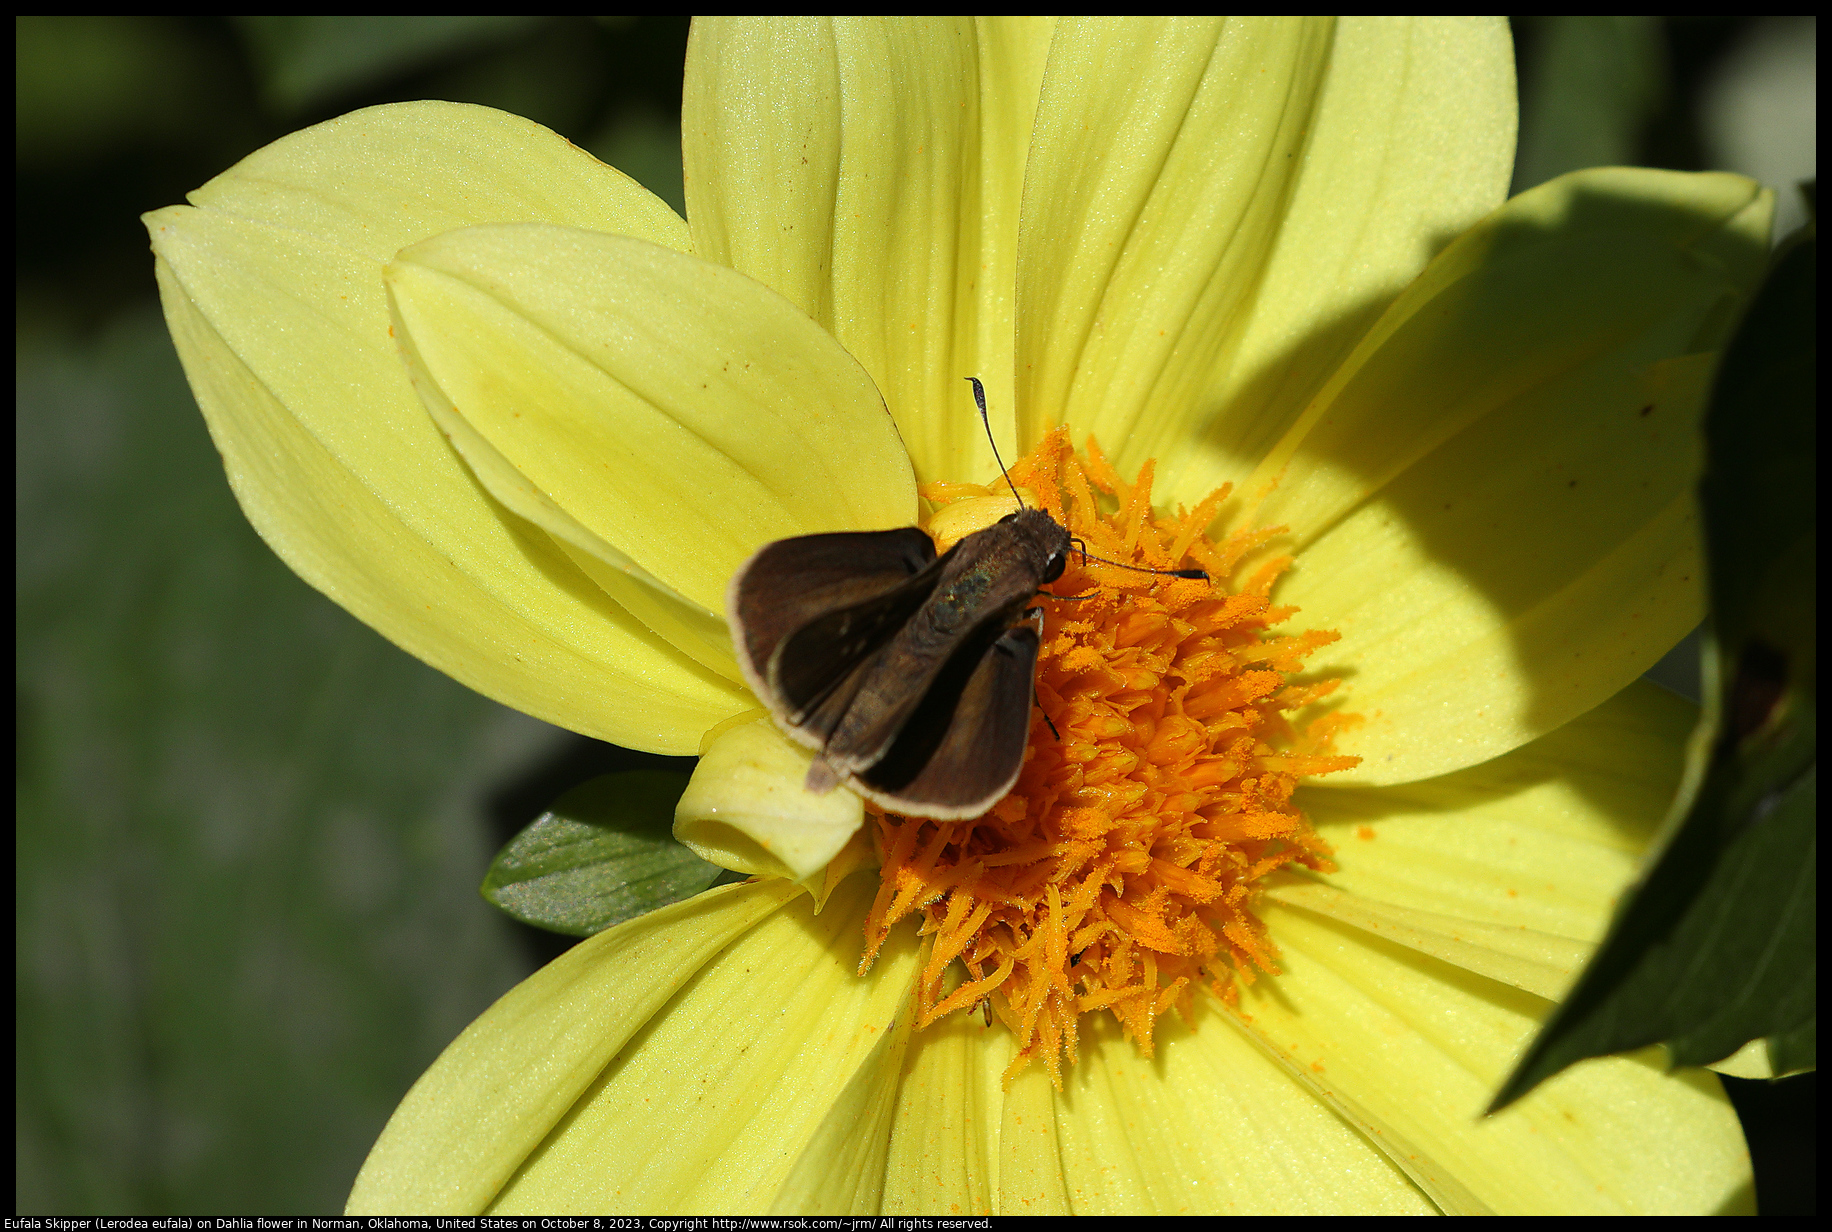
point(963, 747)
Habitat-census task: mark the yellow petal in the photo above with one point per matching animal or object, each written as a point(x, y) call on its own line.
point(273, 291)
point(374, 181)
point(955, 522)
point(1749, 1061)
point(760, 190)
point(1492, 502)
point(1031, 1176)
point(500, 608)
point(1463, 907)
point(944, 1153)
point(1013, 52)
point(1211, 1125)
point(661, 415)
point(841, 1169)
point(1410, 1049)
point(1541, 840)
point(746, 809)
point(869, 169)
point(734, 1099)
point(1215, 210)
point(1412, 143)
point(495, 1093)
point(1543, 964)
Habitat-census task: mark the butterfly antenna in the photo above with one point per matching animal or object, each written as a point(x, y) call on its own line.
point(979, 398)
point(1201, 574)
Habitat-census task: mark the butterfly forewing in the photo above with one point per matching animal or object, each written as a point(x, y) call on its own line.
point(817, 657)
point(792, 583)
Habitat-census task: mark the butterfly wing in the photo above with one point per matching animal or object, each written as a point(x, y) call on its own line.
point(806, 612)
point(963, 747)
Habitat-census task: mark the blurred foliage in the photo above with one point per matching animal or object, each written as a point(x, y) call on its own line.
point(243, 908)
point(306, 62)
point(118, 115)
point(1588, 94)
point(249, 830)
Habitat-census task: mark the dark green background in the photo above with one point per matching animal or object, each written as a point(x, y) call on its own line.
point(250, 831)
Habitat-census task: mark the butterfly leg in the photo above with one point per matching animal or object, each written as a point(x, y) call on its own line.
point(1035, 617)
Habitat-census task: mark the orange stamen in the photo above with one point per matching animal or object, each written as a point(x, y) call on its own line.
point(1121, 872)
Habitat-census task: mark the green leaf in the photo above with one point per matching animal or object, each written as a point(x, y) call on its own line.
point(1717, 946)
point(604, 853)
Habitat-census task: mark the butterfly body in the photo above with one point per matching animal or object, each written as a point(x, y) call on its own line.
point(910, 674)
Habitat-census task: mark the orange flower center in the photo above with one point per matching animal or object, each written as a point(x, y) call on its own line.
point(1120, 873)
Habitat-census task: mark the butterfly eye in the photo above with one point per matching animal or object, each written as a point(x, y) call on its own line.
point(1008, 517)
point(1053, 567)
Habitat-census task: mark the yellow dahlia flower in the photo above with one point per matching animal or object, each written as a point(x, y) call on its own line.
point(506, 407)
